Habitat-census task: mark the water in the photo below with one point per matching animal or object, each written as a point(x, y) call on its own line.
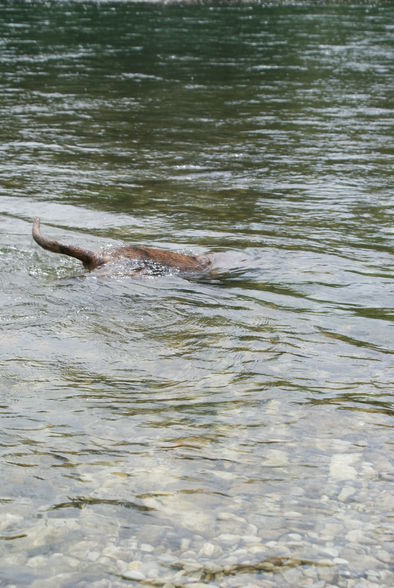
point(227, 430)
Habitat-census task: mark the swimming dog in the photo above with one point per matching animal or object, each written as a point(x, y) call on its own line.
point(144, 259)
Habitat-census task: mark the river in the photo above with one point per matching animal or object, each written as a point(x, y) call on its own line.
point(232, 429)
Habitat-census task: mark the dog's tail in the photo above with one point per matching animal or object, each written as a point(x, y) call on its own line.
point(89, 259)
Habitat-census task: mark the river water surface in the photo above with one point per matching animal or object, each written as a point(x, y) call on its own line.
point(229, 430)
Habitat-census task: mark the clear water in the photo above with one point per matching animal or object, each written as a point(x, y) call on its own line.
point(229, 430)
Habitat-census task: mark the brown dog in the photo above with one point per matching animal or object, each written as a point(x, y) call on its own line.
point(146, 258)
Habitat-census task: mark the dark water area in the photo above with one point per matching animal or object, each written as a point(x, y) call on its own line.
point(230, 429)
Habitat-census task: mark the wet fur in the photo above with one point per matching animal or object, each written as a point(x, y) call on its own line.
point(145, 256)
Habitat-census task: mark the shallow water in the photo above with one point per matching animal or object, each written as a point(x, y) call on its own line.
point(232, 429)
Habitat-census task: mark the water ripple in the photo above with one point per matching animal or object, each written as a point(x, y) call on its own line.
point(231, 428)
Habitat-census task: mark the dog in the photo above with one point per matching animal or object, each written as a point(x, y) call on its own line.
point(143, 259)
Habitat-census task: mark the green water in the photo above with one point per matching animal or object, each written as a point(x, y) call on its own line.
point(234, 429)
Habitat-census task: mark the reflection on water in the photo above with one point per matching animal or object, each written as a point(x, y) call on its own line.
point(232, 429)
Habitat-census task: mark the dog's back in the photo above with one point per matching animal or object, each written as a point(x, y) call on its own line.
point(147, 255)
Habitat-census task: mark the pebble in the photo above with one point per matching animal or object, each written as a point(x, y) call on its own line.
point(134, 575)
point(250, 538)
point(200, 585)
point(276, 458)
point(208, 549)
point(134, 565)
point(185, 543)
point(385, 557)
point(355, 536)
point(55, 580)
point(254, 549)
point(223, 475)
point(240, 553)
point(9, 520)
point(228, 538)
point(294, 536)
point(331, 551)
point(368, 471)
point(345, 493)
point(341, 467)
point(292, 514)
point(252, 530)
point(229, 516)
point(39, 561)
